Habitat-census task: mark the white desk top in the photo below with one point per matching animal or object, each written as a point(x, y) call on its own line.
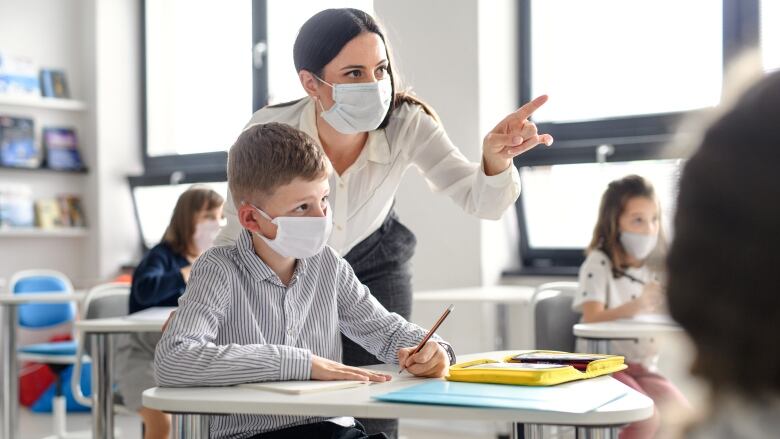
point(495, 294)
point(149, 320)
point(620, 329)
point(357, 402)
point(53, 297)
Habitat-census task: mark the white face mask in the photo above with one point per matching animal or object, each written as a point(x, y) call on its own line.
point(205, 234)
point(638, 245)
point(358, 108)
point(298, 236)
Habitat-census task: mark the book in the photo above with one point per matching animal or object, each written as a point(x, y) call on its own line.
point(303, 387)
point(18, 76)
point(48, 214)
point(17, 143)
point(54, 84)
point(72, 211)
point(575, 397)
point(62, 149)
point(16, 206)
point(536, 368)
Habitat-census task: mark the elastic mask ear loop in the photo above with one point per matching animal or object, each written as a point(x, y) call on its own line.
point(319, 101)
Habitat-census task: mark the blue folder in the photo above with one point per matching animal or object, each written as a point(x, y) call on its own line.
point(574, 397)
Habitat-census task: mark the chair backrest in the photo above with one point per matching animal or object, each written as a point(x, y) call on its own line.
point(107, 300)
point(102, 301)
point(42, 315)
point(553, 316)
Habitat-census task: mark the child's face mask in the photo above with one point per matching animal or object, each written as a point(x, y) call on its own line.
point(205, 233)
point(298, 236)
point(638, 245)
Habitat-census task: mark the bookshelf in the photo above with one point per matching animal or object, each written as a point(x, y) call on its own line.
point(33, 232)
point(42, 103)
point(82, 171)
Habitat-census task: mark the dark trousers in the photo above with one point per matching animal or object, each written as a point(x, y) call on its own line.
point(382, 263)
point(320, 430)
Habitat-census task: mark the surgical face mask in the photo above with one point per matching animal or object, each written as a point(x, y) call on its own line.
point(298, 236)
point(205, 234)
point(358, 108)
point(638, 245)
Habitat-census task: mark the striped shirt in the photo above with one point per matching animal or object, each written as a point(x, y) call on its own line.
point(238, 323)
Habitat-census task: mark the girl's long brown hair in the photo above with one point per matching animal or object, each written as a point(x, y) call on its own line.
point(606, 233)
point(181, 229)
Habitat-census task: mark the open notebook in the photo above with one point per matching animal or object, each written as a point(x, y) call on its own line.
point(301, 387)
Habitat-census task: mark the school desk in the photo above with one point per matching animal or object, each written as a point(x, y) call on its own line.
point(192, 407)
point(598, 335)
point(103, 334)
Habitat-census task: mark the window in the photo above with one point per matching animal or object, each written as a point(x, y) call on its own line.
point(566, 223)
point(612, 58)
point(770, 34)
point(620, 75)
point(154, 200)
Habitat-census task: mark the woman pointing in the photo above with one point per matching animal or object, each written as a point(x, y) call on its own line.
point(372, 133)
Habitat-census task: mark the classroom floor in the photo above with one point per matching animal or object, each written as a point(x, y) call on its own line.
point(37, 426)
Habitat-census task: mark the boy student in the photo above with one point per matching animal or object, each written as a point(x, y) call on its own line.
point(272, 306)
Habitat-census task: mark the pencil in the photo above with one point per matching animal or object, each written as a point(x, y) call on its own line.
point(430, 333)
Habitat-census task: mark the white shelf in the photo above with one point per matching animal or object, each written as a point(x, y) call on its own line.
point(31, 232)
point(39, 102)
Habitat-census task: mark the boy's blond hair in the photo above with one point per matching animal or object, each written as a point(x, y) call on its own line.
point(266, 156)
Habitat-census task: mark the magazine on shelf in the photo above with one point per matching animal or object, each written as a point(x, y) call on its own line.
point(62, 149)
point(17, 143)
point(18, 76)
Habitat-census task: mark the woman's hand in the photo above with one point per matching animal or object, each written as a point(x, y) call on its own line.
point(329, 370)
point(432, 361)
point(511, 137)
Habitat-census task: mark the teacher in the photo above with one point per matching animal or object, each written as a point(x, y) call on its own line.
point(372, 133)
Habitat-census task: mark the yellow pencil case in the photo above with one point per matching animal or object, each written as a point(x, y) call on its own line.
point(537, 368)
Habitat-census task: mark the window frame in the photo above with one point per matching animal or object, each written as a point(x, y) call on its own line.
point(641, 137)
point(209, 163)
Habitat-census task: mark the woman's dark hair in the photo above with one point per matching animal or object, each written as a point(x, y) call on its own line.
point(606, 233)
point(178, 235)
point(723, 264)
point(323, 36)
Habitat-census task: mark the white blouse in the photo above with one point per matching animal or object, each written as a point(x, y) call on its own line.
point(362, 196)
point(596, 283)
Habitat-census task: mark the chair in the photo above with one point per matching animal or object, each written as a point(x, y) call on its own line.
point(57, 356)
point(553, 316)
point(102, 301)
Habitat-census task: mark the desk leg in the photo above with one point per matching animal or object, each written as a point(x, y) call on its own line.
point(597, 346)
point(102, 389)
point(597, 433)
point(189, 426)
point(502, 326)
point(10, 389)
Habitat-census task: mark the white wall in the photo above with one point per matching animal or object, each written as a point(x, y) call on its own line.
point(117, 123)
point(444, 72)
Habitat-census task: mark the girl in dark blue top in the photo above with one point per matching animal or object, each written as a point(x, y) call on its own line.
point(159, 280)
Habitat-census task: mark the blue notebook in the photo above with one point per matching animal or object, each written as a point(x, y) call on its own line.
point(574, 397)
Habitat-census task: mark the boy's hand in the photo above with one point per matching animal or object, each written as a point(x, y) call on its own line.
point(328, 370)
point(432, 361)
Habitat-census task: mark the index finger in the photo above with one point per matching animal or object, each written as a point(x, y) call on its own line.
point(528, 109)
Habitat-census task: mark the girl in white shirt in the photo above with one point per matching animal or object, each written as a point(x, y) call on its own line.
point(373, 132)
point(615, 282)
